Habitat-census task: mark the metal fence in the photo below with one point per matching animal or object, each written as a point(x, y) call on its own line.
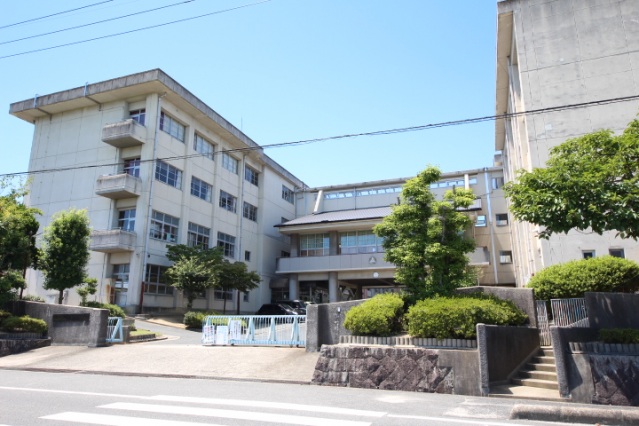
point(543, 323)
point(114, 330)
point(569, 312)
point(255, 330)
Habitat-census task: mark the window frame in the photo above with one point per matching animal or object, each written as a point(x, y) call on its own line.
point(168, 174)
point(138, 115)
point(251, 175)
point(505, 257)
point(588, 254)
point(249, 211)
point(160, 287)
point(126, 223)
point(617, 252)
point(198, 236)
point(503, 221)
point(481, 223)
point(230, 163)
point(227, 243)
point(131, 166)
point(203, 146)
point(314, 245)
point(201, 189)
point(165, 224)
point(175, 128)
point(228, 201)
point(288, 194)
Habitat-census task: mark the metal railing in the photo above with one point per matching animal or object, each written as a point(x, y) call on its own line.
point(569, 312)
point(543, 323)
point(255, 330)
point(114, 330)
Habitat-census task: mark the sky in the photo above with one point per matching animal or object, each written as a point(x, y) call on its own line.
point(281, 71)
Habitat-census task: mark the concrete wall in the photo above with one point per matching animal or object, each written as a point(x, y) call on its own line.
point(325, 323)
point(612, 310)
point(68, 325)
point(523, 298)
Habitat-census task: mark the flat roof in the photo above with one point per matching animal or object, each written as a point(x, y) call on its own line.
point(339, 216)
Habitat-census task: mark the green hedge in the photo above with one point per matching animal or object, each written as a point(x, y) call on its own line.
point(457, 316)
point(619, 335)
point(573, 279)
point(194, 319)
point(24, 324)
point(114, 310)
point(379, 316)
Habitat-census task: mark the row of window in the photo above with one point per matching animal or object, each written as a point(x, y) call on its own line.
point(501, 219)
point(615, 252)
point(362, 192)
point(350, 243)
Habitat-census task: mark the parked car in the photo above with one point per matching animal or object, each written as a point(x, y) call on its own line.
point(298, 305)
point(276, 309)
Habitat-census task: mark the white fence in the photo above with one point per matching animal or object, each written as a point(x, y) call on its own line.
point(255, 330)
point(114, 330)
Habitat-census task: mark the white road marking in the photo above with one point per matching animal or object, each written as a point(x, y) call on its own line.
point(449, 420)
point(108, 420)
point(232, 414)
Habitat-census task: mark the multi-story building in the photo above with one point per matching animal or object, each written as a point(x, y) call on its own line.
point(335, 254)
point(551, 55)
point(153, 165)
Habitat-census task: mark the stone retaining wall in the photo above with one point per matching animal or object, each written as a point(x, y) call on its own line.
point(409, 341)
point(15, 346)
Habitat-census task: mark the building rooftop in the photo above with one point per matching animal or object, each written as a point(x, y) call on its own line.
point(339, 216)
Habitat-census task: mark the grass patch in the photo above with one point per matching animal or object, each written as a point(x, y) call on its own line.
point(141, 332)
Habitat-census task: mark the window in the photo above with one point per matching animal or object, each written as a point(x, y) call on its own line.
point(168, 174)
point(121, 276)
point(314, 245)
point(204, 147)
point(588, 254)
point(617, 252)
point(251, 175)
point(227, 201)
point(245, 296)
point(501, 219)
point(229, 163)
point(247, 256)
point(171, 126)
point(126, 220)
point(285, 254)
point(223, 294)
point(287, 194)
point(250, 211)
point(132, 167)
point(138, 115)
point(164, 227)
point(498, 182)
point(505, 256)
point(198, 236)
point(481, 221)
point(155, 280)
point(227, 243)
point(360, 242)
point(201, 189)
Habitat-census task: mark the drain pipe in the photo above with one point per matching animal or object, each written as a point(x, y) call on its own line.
point(490, 225)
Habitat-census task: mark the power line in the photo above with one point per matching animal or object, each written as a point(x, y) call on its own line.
point(355, 135)
point(54, 14)
point(97, 22)
point(135, 30)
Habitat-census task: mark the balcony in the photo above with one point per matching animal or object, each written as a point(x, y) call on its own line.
point(118, 186)
point(112, 241)
point(345, 262)
point(124, 134)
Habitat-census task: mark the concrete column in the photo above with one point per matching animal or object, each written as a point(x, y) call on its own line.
point(295, 244)
point(333, 243)
point(293, 287)
point(333, 288)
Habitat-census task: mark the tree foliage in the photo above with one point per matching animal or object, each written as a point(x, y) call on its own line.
point(590, 182)
point(424, 238)
point(65, 251)
point(88, 287)
point(380, 315)
point(236, 276)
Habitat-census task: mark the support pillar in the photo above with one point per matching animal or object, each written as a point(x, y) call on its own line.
point(293, 287)
point(333, 288)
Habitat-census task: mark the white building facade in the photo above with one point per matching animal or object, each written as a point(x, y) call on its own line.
point(551, 56)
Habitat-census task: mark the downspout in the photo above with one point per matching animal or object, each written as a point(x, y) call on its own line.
point(241, 223)
point(147, 230)
point(490, 225)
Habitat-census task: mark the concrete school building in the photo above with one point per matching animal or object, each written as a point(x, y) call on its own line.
point(553, 54)
point(153, 165)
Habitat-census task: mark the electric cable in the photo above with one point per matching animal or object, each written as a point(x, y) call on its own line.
point(54, 14)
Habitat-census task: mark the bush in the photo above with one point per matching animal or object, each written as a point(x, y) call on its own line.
point(619, 335)
point(379, 316)
point(457, 316)
point(114, 310)
point(32, 298)
point(573, 279)
point(4, 315)
point(24, 324)
point(194, 319)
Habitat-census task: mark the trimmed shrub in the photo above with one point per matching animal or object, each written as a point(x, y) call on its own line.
point(379, 316)
point(619, 335)
point(33, 298)
point(573, 279)
point(4, 315)
point(114, 310)
point(457, 316)
point(194, 319)
point(24, 324)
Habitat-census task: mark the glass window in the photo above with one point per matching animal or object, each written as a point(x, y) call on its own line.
point(138, 115)
point(229, 163)
point(498, 182)
point(481, 221)
point(588, 254)
point(288, 194)
point(228, 202)
point(360, 242)
point(121, 276)
point(314, 245)
point(223, 294)
point(617, 252)
point(204, 147)
point(171, 126)
point(505, 256)
point(227, 243)
point(198, 236)
point(501, 219)
point(250, 212)
point(251, 175)
point(155, 280)
point(164, 227)
point(168, 174)
point(247, 256)
point(201, 189)
point(126, 219)
point(132, 167)
point(245, 296)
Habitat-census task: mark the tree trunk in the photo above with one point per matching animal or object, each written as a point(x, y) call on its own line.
point(60, 297)
point(238, 303)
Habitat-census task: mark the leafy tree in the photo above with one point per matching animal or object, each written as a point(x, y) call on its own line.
point(195, 269)
point(236, 276)
point(90, 286)
point(65, 251)
point(590, 182)
point(10, 281)
point(425, 238)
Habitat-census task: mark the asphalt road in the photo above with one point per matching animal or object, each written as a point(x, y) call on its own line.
point(37, 398)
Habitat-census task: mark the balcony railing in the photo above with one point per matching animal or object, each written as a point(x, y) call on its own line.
point(124, 134)
point(113, 241)
point(118, 186)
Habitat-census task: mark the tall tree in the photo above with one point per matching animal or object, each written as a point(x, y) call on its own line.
point(425, 240)
point(589, 183)
point(195, 269)
point(65, 251)
point(236, 276)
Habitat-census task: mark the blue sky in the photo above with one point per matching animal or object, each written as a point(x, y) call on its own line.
point(282, 71)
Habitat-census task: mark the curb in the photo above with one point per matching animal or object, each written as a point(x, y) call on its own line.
point(605, 415)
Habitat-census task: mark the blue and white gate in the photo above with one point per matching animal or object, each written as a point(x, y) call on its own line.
point(114, 330)
point(255, 330)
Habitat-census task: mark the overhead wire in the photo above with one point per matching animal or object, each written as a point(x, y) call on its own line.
point(54, 14)
point(354, 135)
